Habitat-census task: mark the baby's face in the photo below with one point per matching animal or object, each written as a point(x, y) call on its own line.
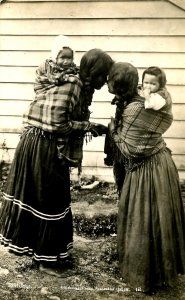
point(65, 58)
point(151, 83)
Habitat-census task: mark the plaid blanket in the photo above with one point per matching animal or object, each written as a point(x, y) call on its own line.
point(139, 134)
point(49, 74)
point(60, 110)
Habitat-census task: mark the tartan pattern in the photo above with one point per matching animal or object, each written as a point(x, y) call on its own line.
point(140, 132)
point(163, 92)
point(49, 74)
point(60, 111)
point(53, 111)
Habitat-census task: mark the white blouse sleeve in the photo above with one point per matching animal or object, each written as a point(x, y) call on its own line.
point(155, 101)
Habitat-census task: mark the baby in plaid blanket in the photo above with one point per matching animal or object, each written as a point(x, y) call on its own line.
point(58, 70)
point(54, 72)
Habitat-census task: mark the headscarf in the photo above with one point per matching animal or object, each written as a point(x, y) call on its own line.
point(94, 63)
point(59, 43)
point(124, 78)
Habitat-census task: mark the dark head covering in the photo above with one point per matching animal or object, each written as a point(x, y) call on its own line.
point(94, 68)
point(123, 78)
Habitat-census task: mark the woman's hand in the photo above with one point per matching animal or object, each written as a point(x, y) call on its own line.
point(97, 129)
point(111, 125)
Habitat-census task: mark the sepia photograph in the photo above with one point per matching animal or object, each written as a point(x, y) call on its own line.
point(92, 149)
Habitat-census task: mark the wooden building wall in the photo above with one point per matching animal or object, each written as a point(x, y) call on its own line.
point(143, 33)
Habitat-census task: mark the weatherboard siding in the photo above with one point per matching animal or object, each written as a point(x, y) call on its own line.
point(143, 33)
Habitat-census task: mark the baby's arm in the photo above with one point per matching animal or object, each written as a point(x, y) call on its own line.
point(68, 78)
point(45, 74)
point(71, 75)
point(153, 100)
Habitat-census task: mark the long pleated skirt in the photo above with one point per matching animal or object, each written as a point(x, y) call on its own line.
point(151, 226)
point(35, 216)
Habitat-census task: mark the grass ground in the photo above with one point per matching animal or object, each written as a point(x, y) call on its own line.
point(96, 274)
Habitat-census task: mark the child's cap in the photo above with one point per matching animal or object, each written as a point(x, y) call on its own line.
point(59, 42)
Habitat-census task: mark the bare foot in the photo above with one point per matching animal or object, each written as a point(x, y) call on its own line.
point(54, 271)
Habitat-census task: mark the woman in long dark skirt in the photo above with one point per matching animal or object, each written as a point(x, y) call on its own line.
point(151, 226)
point(36, 217)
